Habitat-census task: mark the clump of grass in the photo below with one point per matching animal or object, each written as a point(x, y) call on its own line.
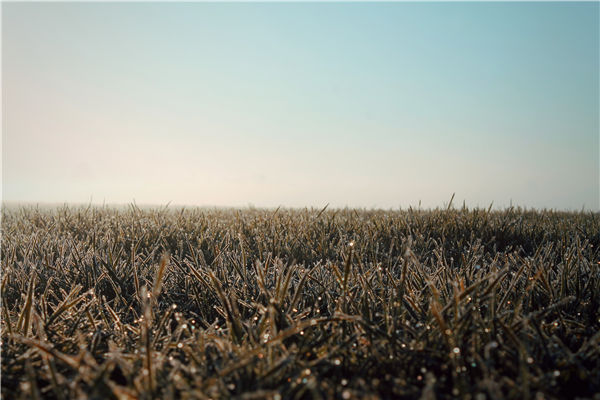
point(101, 303)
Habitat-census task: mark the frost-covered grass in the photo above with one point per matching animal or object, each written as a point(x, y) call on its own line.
point(104, 303)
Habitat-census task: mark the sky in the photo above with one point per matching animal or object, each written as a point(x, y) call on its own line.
point(370, 105)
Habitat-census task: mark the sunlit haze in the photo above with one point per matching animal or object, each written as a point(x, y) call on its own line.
point(353, 104)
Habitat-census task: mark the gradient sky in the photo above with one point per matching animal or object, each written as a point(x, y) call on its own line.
point(352, 104)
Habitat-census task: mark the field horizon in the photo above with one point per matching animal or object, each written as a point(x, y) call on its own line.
point(451, 204)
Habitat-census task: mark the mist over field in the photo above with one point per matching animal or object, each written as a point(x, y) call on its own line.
point(369, 105)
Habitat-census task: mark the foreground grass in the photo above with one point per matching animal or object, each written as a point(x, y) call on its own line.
point(99, 303)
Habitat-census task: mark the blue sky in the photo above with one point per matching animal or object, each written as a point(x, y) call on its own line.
point(352, 104)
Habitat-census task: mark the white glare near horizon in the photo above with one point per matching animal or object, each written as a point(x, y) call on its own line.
point(381, 105)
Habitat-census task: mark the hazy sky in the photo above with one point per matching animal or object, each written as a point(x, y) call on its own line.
point(364, 105)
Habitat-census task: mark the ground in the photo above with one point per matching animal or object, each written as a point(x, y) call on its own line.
point(209, 303)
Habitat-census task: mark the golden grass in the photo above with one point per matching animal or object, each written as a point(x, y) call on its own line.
point(100, 303)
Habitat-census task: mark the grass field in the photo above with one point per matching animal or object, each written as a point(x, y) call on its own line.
point(289, 304)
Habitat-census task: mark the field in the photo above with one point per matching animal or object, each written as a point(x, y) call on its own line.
point(477, 304)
